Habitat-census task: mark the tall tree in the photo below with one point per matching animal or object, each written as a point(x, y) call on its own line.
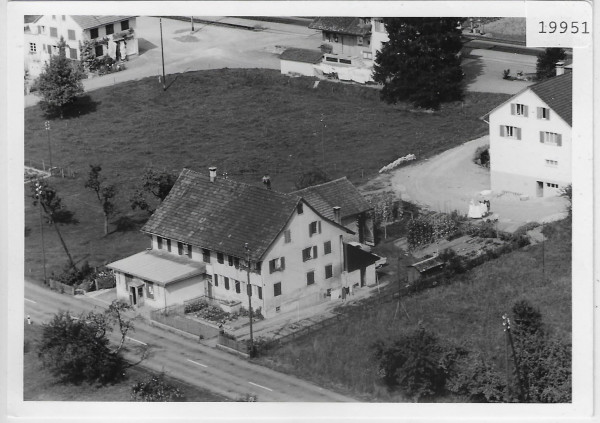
point(47, 198)
point(60, 82)
point(105, 193)
point(155, 183)
point(311, 178)
point(546, 62)
point(421, 61)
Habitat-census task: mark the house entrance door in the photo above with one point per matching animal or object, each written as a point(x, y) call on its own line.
point(209, 290)
point(132, 296)
point(540, 189)
point(362, 276)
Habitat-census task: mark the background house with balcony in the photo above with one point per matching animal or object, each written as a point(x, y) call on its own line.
point(114, 36)
point(530, 139)
point(297, 257)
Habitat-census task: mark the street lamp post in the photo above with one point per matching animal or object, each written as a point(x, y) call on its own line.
point(249, 292)
point(47, 126)
point(38, 193)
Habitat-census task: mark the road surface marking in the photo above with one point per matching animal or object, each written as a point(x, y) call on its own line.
point(31, 301)
point(260, 386)
point(135, 340)
point(195, 362)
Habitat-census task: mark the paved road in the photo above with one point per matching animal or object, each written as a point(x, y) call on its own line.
point(185, 359)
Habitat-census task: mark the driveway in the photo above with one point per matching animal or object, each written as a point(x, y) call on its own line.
point(450, 180)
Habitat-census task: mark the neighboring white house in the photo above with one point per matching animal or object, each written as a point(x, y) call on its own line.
point(199, 234)
point(349, 47)
point(530, 139)
point(113, 35)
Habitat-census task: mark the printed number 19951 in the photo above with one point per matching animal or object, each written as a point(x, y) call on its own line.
point(562, 27)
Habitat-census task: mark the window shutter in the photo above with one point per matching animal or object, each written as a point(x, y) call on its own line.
point(502, 130)
point(513, 108)
point(518, 133)
point(548, 114)
point(319, 225)
point(282, 261)
point(526, 111)
point(559, 140)
point(315, 251)
point(539, 112)
point(542, 137)
point(271, 266)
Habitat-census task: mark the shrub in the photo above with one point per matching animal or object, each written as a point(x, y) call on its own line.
point(72, 276)
point(155, 389)
point(420, 232)
point(506, 74)
point(477, 381)
point(482, 156)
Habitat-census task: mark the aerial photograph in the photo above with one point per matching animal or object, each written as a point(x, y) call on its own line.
point(296, 209)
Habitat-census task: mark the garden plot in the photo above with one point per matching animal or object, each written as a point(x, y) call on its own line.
point(466, 246)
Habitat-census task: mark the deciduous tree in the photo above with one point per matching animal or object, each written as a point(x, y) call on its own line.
point(546, 62)
point(60, 82)
point(105, 193)
point(421, 61)
point(157, 185)
point(311, 178)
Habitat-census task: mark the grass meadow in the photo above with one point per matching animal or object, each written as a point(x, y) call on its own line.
point(40, 385)
point(468, 312)
point(246, 122)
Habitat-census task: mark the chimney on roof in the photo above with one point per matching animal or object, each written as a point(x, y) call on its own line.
point(560, 68)
point(212, 173)
point(337, 215)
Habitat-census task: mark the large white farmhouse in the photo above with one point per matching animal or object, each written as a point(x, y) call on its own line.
point(530, 139)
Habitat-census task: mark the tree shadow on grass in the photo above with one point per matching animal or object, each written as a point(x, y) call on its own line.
point(472, 68)
point(129, 223)
point(83, 105)
point(66, 217)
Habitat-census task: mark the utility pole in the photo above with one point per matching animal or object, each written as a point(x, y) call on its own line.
point(249, 291)
point(506, 324)
point(543, 255)
point(192, 20)
point(322, 137)
point(38, 193)
point(162, 53)
point(47, 126)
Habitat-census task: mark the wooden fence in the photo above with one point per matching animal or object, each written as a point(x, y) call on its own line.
point(63, 172)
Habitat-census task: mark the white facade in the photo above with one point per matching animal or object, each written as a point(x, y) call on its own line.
point(530, 148)
point(291, 67)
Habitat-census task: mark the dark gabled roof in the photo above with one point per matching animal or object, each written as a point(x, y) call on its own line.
point(89, 21)
point(302, 55)
point(358, 258)
point(222, 215)
point(340, 25)
point(340, 192)
point(31, 18)
point(557, 93)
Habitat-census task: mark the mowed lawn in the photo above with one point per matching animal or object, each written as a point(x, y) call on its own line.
point(468, 312)
point(245, 122)
point(40, 385)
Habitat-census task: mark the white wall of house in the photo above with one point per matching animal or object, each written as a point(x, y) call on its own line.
point(301, 68)
point(523, 165)
point(378, 35)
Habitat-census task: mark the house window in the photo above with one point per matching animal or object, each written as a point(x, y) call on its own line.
point(513, 132)
point(226, 281)
point(216, 280)
point(327, 247)
point(367, 55)
point(346, 61)
point(64, 18)
point(543, 113)
point(220, 258)
point(49, 49)
point(519, 109)
point(259, 292)
point(159, 242)
point(300, 208)
point(189, 251)
point(277, 264)
point(72, 53)
point(328, 271)
point(99, 50)
point(53, 32)
point(230, 260)
point(205, 255)
point(237, 286)
point(551, 185)
point(551, 138)
point(359, 40)
point(309, 253)
point(169, 245)
point(335, 38)
point(277, 309)
point(110, 29)
point(53, 17)
point(314, 227)
point(124, 25)
point(236, 262)
point(287, 236)
point(277, 289)
point(552, 163)
point(71, 34)
point(32, 47)
point(93, 33)
point(331, 59)
point(180, 248)
point(149, 289)
point(310, 277)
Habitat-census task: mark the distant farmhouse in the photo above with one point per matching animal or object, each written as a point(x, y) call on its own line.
point(530, 139)
point(202, 235)
point(113, 35)
point(348, 50)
